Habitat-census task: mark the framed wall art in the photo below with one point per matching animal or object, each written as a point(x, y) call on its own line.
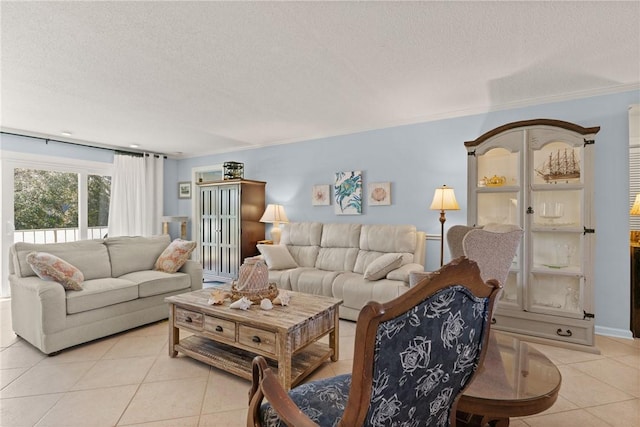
point(347, 192)
point(379, 194)
point(184, 190)
point(320, 195)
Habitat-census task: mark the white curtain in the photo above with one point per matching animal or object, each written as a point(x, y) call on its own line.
point(136, 195)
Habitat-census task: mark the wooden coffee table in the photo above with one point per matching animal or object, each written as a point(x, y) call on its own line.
point(229, 339)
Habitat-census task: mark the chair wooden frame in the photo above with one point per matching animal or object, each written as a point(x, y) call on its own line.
point(460, 271)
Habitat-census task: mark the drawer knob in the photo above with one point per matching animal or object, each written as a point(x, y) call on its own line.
point(218, 328)
point(493, 321)
point(188, 319)
point(563, 333)
point(255, 338)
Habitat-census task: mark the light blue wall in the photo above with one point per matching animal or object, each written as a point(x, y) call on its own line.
point(418, 158)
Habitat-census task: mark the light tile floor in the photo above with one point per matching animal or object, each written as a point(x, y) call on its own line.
point(129, 380)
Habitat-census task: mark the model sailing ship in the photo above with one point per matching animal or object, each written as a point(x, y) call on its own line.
point(562, 165)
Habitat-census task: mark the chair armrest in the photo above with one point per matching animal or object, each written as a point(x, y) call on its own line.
point(194, 270)
point(402, 273)
point(265, 384)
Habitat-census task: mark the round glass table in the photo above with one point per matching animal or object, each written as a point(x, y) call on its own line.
point(514, 380)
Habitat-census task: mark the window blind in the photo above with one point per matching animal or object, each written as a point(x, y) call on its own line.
point(634, 162)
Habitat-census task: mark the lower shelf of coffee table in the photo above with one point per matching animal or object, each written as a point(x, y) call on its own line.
point(238, 361)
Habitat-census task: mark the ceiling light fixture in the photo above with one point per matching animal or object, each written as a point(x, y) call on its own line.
point(134, 146)
point(66, 133)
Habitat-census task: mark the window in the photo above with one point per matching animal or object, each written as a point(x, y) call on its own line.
point(48, 199)
point(45, 205)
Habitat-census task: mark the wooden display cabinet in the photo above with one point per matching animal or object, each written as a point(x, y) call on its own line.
point(538, 174)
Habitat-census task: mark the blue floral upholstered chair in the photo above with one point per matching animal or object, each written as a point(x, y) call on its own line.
point(414, 356)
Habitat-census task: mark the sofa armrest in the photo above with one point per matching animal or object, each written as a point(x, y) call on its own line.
point(38, 307)
point(194, 270)
point(417, 276)
point(402, 273)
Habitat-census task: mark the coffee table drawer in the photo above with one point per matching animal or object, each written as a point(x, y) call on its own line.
point(189, 319)
point(220, 328)
point(257, 338)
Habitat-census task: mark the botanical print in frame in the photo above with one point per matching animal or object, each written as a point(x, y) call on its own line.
point(379, 194)
point(184, 190)
point(347, 192)
point(320, 195)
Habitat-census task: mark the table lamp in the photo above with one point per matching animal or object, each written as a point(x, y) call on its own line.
point(275, 214)
point(635, 211)
point(444, 199)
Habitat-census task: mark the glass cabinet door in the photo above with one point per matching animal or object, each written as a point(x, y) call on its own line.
point(556, 223)
point(498, 190)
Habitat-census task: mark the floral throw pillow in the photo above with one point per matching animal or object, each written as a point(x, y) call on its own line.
point(174, 256)
point(51, 268)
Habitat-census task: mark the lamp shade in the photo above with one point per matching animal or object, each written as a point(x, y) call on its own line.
point(635, 209)
point(444, 199)
point(274, 214)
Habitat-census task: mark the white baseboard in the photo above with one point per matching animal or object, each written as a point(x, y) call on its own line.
point(614, 332)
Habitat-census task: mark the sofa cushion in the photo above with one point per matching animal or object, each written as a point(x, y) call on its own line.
point(337, 259)
point(388, 238)
point(303, 241)
point(50, 267)
point(174, 256)
point(340, 235)
point(153, 282)
point(89, 256)
point(312, 281)
point(99, 293)
point(277, 257)
point(302, 234)
point(304, 256)
point(129, 254)
point(355, 291)
point(382, 265)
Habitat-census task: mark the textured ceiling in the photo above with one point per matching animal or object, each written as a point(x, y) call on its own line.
point(204, 77)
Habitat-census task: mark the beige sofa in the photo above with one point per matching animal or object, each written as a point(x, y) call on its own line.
point(120, 290)
point(354, 262)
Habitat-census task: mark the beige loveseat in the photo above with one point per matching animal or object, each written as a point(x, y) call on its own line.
point(354, 262)
point(120, 290)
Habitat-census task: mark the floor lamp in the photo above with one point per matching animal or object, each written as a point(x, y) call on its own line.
point(444, 199)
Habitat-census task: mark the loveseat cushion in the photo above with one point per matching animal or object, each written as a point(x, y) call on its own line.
point(153, 282)
point(129, 254)
point(88, 256)
point(99, 293)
